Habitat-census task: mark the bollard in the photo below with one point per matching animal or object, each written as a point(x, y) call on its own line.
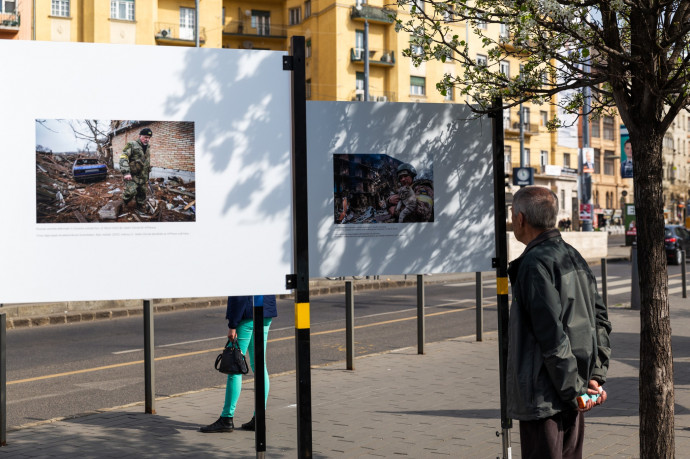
point(604, 288)
point(480, 308)
point(3, 379)
point(149, 370)
point(684, 275)
point(635, 281)
point(350, 325)
point(421, 331)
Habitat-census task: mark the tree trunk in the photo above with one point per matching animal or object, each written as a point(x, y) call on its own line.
point(656, 358)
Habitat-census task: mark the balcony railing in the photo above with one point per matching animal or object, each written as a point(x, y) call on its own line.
point(265, 29)
point(174, 33)
point(373, 14)
point(9, 21)
point(376, 57)
point(374, 96)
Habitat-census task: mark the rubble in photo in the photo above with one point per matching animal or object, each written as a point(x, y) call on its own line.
point(61, 199)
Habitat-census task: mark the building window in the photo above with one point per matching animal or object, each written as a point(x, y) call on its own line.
point(295, 15)
point(417, 86)
point(359, 81)
point(595, 128)
point(562, 199)
point(507, 155)
point(308, 46)
point(504, 31)
point(544, 115)
point(417, 6)
point(187, 23)
point(415, 46)
point(481, 25)
point(504, 68)
point(528, 160)
point(60, 8)
point(609, 163)
point(122, 9)
point(608, 128)
point(566, 160)
point(597, 161)
point(544, 158)
point(481, 60)
point(359, 44)
point(449, 94)
point(525, 116)
point(308, 89)
point(307, 9)
point(261, 20)
point(8, 6)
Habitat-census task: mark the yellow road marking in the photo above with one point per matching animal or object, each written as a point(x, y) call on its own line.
point(206, 351)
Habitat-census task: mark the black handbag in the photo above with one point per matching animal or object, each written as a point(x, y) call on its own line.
point(231, 361)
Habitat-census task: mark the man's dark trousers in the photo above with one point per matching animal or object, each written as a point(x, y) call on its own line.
point(560, 436)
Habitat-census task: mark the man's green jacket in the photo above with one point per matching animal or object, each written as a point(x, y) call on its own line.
point(559, 330)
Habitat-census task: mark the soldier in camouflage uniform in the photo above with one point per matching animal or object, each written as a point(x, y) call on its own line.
point(135, 165)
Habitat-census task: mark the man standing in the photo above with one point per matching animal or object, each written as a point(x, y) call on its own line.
point(135, 165)
point(559, 330)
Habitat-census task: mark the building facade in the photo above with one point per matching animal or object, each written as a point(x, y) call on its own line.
point(676, 169)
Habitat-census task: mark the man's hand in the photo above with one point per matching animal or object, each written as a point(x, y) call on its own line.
point(127, 177)
point(596, 389)
point(393, 199)
point(232, 334)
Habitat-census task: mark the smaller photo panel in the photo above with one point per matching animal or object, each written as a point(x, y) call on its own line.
point(377, 188)
point(127, 171)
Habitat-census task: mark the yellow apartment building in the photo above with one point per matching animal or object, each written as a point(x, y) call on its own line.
point(15, 19)
point(335, 36)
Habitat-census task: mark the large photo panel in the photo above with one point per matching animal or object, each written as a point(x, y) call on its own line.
point(143, 172)
point(398, 188)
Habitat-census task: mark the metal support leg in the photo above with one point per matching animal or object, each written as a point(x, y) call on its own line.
point(350, 325)
point(3, 379)
point(480, 307)
point(421, 329)
point(604, 282)
point(149, 369)
point(259, 381)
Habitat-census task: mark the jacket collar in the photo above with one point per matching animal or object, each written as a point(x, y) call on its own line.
point(546, 235)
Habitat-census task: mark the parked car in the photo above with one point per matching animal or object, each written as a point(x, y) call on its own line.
point(89, 169)
point(676, 238)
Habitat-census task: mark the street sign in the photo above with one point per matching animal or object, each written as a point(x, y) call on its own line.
point(523, 176)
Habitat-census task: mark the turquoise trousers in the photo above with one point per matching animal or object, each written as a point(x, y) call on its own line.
point(245, 338)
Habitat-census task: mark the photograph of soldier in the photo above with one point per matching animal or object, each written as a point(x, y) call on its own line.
point(375, 188)
point(135, 165)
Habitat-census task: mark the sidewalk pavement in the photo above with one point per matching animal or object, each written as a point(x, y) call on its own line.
point(443, 403)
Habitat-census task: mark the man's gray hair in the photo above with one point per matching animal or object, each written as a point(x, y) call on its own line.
point(539, 205)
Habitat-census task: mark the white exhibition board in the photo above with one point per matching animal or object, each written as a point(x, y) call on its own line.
point(444, 142)
point(241, 240)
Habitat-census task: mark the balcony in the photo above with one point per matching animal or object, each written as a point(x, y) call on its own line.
point(530, 128)
point(266, 29)
point(385, 58)
point(374, 96)
point(173, 34)
point(9, 22)
point(373, 14)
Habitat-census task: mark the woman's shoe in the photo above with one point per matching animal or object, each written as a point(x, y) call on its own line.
point(251, 425)
point(223, 424)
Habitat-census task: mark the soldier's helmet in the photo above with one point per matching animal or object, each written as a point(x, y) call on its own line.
point(407, 168)
point(146, 131)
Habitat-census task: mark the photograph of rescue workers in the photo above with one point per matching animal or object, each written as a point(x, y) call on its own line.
point(377, 188)
point(97, 171)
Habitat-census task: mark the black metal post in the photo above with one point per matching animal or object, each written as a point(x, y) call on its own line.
point(684, 275)
point(301, 246)
point(480, 307)
point(149, 369)
point(259, 380)
point(501, 265)
point(604, 282)
point(421, 329)
point(3, 379)
point(350, 325)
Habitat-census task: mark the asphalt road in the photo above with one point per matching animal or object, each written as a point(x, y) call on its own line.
point(64, 370)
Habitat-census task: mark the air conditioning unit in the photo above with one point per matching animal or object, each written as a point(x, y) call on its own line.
point(382, 99)
point(165, 33)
